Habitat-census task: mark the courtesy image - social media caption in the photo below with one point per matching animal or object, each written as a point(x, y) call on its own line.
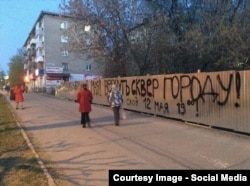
point(175, 179)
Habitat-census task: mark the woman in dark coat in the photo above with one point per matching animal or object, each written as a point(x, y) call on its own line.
point(84, 98)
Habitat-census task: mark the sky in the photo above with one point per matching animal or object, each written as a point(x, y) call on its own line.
point(17, 18)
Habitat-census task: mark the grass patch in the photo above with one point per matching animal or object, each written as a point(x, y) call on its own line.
point(18, 165)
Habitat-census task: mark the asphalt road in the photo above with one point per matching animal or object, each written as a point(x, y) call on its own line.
point(84, 156)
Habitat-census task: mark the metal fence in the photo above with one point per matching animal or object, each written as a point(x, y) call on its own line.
point(218, 99)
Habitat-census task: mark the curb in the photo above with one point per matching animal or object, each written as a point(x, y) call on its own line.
point(40, 162)
point(28, 142)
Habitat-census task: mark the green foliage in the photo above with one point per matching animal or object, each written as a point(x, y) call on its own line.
point(16, 70)
point(2, 79)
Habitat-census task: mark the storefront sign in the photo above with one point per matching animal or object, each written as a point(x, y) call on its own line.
point(54, 69)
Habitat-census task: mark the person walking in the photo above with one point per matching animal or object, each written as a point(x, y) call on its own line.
point(12, 94)
point(18, 91)
point(115, 101)
point(7, 88)
point(84, 98)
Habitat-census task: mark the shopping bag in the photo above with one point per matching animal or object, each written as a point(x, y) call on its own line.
point(123, 114)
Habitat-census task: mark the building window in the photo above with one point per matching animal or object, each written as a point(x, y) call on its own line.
point(64, 39)
point(65, 67)
point(65, 53)
point(88, 42)
point(88, 67)
point(64, 25)
point(41, 38)
point(40, 52)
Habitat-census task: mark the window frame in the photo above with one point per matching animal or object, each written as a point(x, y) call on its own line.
point(65, 53)
point(88, 67)
point(65, 67)
point(64, 39)
point(64, 25)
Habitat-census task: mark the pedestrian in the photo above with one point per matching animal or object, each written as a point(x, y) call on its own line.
point(115, 101)
point(7, 88)
point(84, 98)
point(12, 94)
point(18, 91)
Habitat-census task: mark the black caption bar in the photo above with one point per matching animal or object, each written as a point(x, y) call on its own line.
point(177, 177)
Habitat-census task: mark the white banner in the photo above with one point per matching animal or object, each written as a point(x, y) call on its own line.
point(54, 69)
point(53, 83)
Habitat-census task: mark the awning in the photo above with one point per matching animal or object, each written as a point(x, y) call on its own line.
point(58, 74)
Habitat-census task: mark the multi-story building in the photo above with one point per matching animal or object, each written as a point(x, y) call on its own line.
point(48, 62)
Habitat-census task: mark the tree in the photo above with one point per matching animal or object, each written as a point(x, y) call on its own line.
point(111, 22)
point(16, 73)
point(206, 35)
point(175, 36)
point(2, 79)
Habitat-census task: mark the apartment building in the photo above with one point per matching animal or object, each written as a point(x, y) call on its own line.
point(48, 62)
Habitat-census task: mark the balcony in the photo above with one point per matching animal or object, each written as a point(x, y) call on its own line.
point(39, 59)
point(39, 44)
point(31, 52)
point(39, 31)
point(25, 66)
point(28, 47)
point(32, 41)
point(33, 65)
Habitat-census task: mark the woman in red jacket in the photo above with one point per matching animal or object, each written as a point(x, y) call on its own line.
point(84, 98)
point(18, 91)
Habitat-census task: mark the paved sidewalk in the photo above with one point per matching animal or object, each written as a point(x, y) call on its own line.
point(83, 156)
